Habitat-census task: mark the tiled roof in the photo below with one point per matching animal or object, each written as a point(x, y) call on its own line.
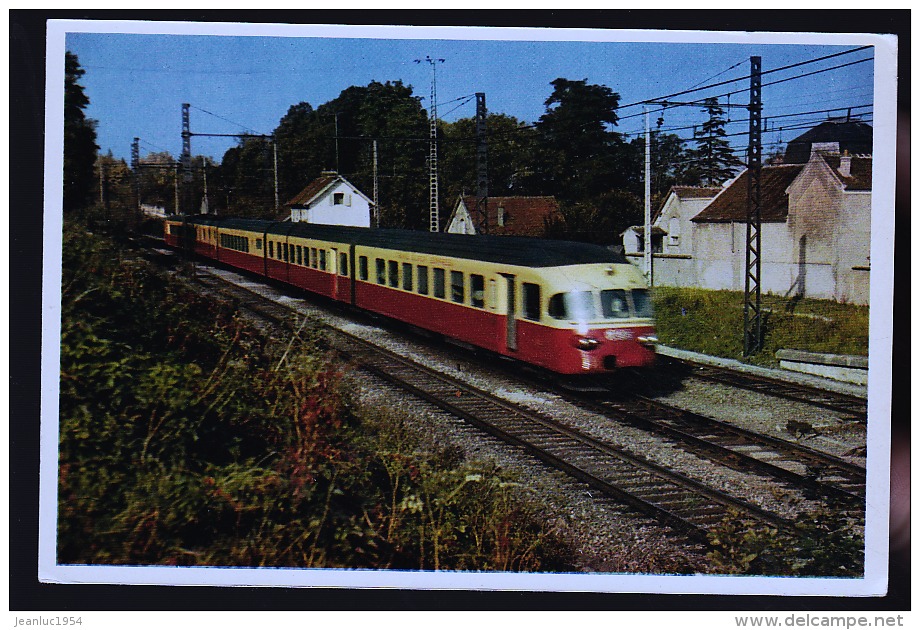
point(851, 135)
point(524, 216)
point(860, 171)
point(695, 192)
point(731, 203)
point(313, 189)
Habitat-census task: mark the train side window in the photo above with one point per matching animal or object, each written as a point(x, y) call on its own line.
point(362, 267)
point(343, 264)
point(456, 287)
point(407, 276)
point(439, 283)
point(271, 249)
point(477, 290)
point(394, 273)
point(381, 271)
point(259, 244)
point(531, 296)
point(299, 255)
point(285, 251)
point(322, 260)
point(313, 257)
point(423, 280)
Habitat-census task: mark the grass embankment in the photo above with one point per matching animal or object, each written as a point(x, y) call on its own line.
point(712, 322)
point(188, 437)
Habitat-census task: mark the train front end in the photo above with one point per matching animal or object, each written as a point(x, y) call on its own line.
point(603, 319)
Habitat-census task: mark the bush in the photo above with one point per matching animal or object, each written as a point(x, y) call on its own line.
point(188, 437)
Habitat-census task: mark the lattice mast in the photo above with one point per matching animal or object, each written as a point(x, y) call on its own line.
point(434, 222)
point(482, 166)
point(753, 336)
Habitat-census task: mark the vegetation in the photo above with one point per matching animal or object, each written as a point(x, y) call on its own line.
point(825, 543)
point(188, 437)
point(79, 138)
point(712, 322)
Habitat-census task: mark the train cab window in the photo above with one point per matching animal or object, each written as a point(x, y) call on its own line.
point(299, 255)
point(456, 287)
point(343, 264)
point(642, 303)
point(531, 297)
point(422, 280)
point(407, 276)
point(271, 249)
point(439, 283)
point(322, 260)
point(556, 306)
point(381, 271)
point(362, 268)
point(477, 290)
point(394, 273)
point(613, 304)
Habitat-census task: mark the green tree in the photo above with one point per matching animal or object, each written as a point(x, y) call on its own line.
point(578, 156)
point(510, 146)
point(713, 159)
point(79, 139)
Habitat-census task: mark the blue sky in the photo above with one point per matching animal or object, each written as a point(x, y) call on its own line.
point(244, 79)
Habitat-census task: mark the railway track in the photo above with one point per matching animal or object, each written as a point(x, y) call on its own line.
point(818, 473)
point(666, 495)
point(851, 406)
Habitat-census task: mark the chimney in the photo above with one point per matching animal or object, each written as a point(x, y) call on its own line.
point(845, 160)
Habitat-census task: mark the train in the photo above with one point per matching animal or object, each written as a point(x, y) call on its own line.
point(565, 307)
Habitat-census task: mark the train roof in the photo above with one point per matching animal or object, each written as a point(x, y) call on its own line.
point(511, 250)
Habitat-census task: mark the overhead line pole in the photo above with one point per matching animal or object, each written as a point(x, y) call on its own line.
point(434, 222)
point(753, 333)
point(649, 262)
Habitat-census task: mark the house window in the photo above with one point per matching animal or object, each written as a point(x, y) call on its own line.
point(456, 287)
point(338, 199)
point(674, 231)
point(501, 216)
point(531, 294)
point(423, 280)
point(439, 283)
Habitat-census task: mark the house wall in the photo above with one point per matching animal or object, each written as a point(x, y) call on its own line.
point(821, 251)
point(356, 211)
point(462, 222)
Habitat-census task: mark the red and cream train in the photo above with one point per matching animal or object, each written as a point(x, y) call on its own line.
point(567, 307)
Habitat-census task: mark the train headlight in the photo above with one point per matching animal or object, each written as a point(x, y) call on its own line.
point(647, 340)
point(586, 343)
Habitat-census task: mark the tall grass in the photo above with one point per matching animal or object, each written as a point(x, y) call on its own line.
point(712, 322)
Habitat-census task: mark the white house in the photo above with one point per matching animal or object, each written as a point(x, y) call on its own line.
point(331, 200)
point(815, 231)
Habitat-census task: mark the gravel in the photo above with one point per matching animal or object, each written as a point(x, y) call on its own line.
point(607, 537)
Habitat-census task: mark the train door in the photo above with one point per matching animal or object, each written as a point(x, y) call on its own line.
point(511, 317)
point(334, 270)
